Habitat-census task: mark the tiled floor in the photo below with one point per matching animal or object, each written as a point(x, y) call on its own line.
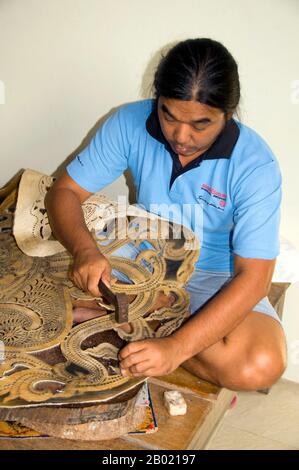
point(261, 421)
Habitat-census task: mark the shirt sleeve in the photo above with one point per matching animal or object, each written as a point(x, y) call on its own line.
point(106, 156)
point(257, 213)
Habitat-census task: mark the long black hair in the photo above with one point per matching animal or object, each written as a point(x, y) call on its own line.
point(199, 70)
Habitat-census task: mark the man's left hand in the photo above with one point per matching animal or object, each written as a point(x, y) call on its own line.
point(150, 357)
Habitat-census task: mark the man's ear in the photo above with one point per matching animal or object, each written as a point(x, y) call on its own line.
point(229, 115)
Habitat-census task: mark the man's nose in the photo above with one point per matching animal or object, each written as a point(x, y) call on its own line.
point(182, 134)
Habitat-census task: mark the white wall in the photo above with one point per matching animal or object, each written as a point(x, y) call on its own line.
point(66, 63)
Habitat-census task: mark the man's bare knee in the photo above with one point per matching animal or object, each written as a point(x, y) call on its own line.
point(260, 370)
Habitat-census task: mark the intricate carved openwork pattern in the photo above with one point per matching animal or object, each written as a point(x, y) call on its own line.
point(47, 359)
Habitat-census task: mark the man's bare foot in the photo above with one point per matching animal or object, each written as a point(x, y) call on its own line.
point(163, 300)
point(82, 314)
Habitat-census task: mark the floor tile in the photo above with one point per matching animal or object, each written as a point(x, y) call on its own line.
point(231, 438)
point(261, 421)
point(275, 416)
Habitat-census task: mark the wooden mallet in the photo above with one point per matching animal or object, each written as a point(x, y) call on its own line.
point(120, 302)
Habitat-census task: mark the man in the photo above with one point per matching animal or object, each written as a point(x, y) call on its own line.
point(185, 148)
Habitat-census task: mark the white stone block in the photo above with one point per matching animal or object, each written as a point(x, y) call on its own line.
point(175, 403)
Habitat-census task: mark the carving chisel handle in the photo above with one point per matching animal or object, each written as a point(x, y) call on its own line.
point(107, 293)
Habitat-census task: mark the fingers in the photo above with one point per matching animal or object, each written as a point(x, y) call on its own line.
point(136, 370)
point(106, 276)
point(87, 282)
point(140, 370)
point(134, 359)
point(131, 348)
point(93, 281)
point(93, 284)
point(88, 270)
point(77, 280)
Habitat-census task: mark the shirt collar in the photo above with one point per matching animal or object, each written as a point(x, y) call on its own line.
point(221, 148)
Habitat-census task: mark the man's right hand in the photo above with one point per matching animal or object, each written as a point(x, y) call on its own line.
point(89, 267)
point(64, 207)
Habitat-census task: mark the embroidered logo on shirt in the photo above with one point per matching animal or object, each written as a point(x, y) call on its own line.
point(212, 197)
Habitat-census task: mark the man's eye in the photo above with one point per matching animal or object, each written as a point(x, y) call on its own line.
point(169, 118)
point(199, 128)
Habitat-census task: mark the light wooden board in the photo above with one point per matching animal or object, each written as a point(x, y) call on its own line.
point(186, 382)
point(50, 443)
point(191, 431)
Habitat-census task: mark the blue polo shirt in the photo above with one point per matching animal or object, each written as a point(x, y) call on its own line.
point(230, 196)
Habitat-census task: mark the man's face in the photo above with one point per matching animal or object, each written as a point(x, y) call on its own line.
point(189, 126)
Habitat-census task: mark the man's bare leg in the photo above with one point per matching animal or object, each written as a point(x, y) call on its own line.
point(251, 357)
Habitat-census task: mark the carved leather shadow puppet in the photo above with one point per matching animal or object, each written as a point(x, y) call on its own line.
point(50, 364)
